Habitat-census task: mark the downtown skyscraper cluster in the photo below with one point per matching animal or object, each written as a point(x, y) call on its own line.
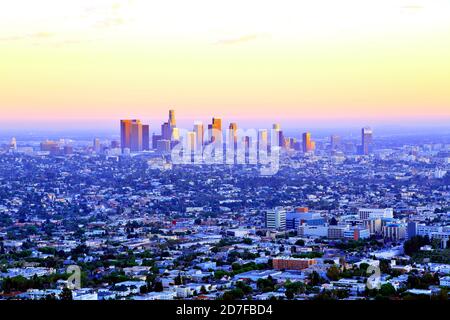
point(135, 137)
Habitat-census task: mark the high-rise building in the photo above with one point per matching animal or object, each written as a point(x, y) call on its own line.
point(163, 146)
point(50, 146)
point(276, 219)
point(263, 139)
point(373, 225)
point(175, 136)
point(308, 145)
point(166, 132)
point(394, 231)
point(210, 132)
point(287, 143)
point(232, 136)
point(155, 139)
point(411, 229)
point(216, 132)
point(136, 136)
point(172, 121)
point(96, 145)
point(145, 137)
point(335, 141)
point(13, 144)
point(366, 140)
point(125, 134)
point(191, 142)
point(199, 133)
point(131, 135)
point(295, 144)
point(247, 143)
point(278, 134)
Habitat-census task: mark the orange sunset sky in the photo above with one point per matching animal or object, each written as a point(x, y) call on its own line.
point(64, 60)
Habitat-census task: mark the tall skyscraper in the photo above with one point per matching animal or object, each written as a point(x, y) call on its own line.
point(145, 137)
point(216, 132)
point(166, 131)
point(232, 135)
point(13, 144)
point(175, 134)
point(125, 134)
point(287, 143)
point(155, 139)
point(335, 141)
point(263, 139)
point(366, 140)
point(136, 136)
point(96, 145)
point(191, 142)
point(199, 133)
point(163, 146)
point(210, 132)
point(247, 143)
point(308, 145)
point(131, 134)
point(279, 134)
point(172, 121)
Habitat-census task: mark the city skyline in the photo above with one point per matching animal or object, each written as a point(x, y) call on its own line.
point(77, 131)
point(284, 153)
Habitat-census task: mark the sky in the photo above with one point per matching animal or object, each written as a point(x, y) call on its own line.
point(92, 62)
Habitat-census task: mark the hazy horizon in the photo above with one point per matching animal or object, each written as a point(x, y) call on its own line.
point(292, 127)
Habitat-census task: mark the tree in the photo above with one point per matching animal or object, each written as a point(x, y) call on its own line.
point(289, 294)
point(266, 285)
point(325, 295)
point(341, 294)
point(387, 290)
point(235, 294)
point(244, 287)
point(293, 288)
point(333, 273)
point(143, 289)
point(179, 280)
point(413, 245)
point(315, 279)
point(219, 274)
point(203, 290)
point(385, 266)
point(159, 286)
point(66, 294)
point(442, 295)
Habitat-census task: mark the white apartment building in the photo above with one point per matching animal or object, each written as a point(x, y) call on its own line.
point(276, 219)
